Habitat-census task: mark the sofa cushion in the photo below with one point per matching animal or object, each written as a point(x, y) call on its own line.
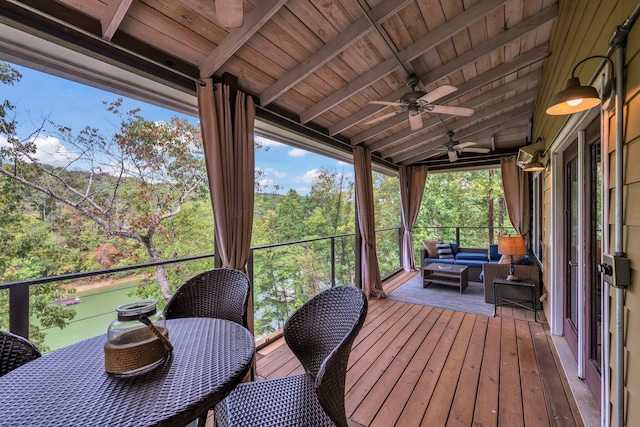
point(439, 260)
point(430, 246)
point(469, 262)
point(471, 256)
point(494, 255)
point(444, 250)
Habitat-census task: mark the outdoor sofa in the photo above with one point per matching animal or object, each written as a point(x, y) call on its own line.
point(474, 258)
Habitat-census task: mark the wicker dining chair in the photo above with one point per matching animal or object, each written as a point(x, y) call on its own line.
point(221, 293)
point(15, 351)
point(320, 334)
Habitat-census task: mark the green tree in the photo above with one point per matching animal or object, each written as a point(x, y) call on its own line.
point(129, 184)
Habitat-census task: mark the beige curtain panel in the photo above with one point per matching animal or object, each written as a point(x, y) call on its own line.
point(229, 157)
point(515, 183)
point(371, 280)
point(412, 180)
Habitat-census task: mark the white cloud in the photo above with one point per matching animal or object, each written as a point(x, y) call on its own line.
point(275, 172)
point(51, 152)
point(341, 163)
point(309, 176)
point(296, 152)
point(265, 183)
point(268, 142)
point(302, 190)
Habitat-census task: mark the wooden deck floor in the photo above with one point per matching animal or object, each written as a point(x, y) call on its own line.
point(416, 365)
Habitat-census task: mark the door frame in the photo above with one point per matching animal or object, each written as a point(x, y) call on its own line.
point(574, 128)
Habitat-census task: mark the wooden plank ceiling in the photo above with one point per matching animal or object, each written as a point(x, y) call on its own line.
point(319, 62)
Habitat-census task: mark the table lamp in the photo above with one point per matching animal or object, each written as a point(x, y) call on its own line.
point(510, 246)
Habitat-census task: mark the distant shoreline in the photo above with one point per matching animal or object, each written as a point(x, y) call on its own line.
point(99, 284)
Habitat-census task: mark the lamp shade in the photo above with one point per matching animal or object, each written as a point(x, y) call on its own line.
point(511, 245)
point(573, 98)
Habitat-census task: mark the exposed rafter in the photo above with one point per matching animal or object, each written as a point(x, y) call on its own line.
point(341, 42)
point(314, 64)
point(261, 13)
point(113, 16)
point(521, 61)
point(392, 64)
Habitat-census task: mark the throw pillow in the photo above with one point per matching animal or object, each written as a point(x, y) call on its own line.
point(444, 250)
point(430, 246)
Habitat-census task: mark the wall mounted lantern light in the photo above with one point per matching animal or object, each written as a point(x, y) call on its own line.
point(536, 163)
point(575, 97)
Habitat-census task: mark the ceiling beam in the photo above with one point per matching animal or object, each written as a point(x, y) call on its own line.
point(261, 13)
point(380, 13)
point(420, 152)
point(525, 59)
point(473, 103)
point(417, 48)
point(444, 32)
point(414, 143)
point(113, 16)
point(376, 73)
point(492, 44)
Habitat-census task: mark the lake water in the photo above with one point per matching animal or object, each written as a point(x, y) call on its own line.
point(93, 315)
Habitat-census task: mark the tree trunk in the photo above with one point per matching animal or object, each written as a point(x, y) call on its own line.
point(161, 274)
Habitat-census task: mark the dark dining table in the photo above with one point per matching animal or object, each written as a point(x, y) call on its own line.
point(69, 387)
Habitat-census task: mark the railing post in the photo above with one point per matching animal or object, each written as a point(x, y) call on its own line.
point(458, 236)
point(250, 267)
point(19, 310)
point(333, 261)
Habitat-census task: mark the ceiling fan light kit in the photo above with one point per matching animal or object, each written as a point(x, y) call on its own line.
point(229, 13)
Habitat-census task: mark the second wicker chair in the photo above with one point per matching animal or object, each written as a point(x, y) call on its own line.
point(15, 351)
point(221, 293)
point(320, 334)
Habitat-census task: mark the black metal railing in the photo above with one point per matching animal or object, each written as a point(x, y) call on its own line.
point(323, 262)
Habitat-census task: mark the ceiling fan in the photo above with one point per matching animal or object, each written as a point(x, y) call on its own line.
point(418, 102)
point(229, 13)
point(454, 148)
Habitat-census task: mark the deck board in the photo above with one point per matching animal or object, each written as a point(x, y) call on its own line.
point(414, 365)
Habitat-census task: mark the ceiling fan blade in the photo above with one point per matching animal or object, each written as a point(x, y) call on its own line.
point(378, 119)
point(390, 103)
point(464, 145)
point(453, 156)
point(476, 150)
point(438, 93)
point(454, 111)
point(229, 13)
point(415, 121)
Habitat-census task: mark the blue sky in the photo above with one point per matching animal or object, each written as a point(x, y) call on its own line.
point(40, 95)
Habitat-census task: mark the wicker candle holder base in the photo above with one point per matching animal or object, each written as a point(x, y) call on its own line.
point(137, 351)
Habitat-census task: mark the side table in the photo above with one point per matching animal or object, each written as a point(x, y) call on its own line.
point(516, 292)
